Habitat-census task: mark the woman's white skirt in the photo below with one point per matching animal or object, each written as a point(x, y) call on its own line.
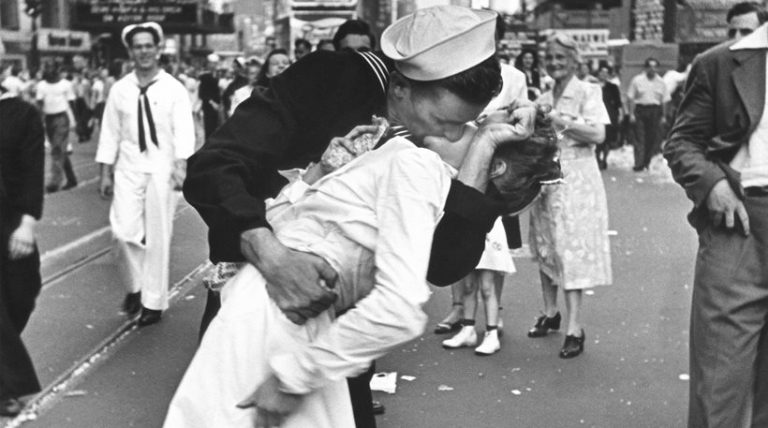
point(233, 360)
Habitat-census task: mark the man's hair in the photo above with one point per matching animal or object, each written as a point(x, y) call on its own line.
point(353, 26)
point(142, 29)
point(651, 59)
point(477, 85)
point(302, 42)
point(746, 7)
point(530, 164)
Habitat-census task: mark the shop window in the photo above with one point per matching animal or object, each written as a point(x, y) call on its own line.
point(9, 14)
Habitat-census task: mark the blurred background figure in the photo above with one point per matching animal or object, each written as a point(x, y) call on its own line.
point(22, 160)
point(354, 34)
point(275, 63)
point(210, 95)
point(241, 94)
point(647, 99)
point(56, 98)
point(612, 102)
point(301, 47)
point(528, 63)
point(238, 81)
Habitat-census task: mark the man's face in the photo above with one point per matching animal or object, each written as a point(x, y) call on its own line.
point(434, 112)
point(253, 72)
point(355, 42)
point(652, 68)
point(300, 51)
point(742, 25)
point(603, 75)
point(145, 51)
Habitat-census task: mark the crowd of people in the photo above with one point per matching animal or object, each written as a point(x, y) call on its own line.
point(338, 186)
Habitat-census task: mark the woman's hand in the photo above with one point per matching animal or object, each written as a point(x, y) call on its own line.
point(272, 405)
point(509, 124)
point(22, 241)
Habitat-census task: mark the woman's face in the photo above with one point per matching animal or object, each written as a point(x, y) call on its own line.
point(528, 60)
point(277, 63)
point(561, 63)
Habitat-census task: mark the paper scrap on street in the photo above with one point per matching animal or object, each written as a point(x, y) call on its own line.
point(444, 388)
point(408, 378)
point(384, 382)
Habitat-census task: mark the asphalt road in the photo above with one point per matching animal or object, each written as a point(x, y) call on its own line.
point(633, 374)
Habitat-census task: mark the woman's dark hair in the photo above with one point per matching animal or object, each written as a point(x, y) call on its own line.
point(519, 59)
point(530, 163)
point(477, 85)
point(263, 80)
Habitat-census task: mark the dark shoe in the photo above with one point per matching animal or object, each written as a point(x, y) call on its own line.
point(11, 407)
point(573, 346)
point(149, 317)
point(69, 185)
point(132, 303)
point(445, 328)
point(51, 188)
point(378, 408)
point(603, 164)
point(638, 168)
point(544, 324)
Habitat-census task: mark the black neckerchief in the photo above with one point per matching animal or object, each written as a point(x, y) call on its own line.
point(152, 132)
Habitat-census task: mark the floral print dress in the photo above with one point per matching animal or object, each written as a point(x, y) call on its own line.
point(569, 221)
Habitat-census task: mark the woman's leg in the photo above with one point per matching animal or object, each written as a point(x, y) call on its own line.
point(450, 322)
point(573, 306)
point(489, 281)
point(549, 293)
point(467, 336)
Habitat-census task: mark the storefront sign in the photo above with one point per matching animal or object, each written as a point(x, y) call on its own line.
point(123, 13)
point(323, 3)
point(63, 40)
point(592, 43)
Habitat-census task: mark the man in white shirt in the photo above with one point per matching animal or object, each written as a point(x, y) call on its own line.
point(647, 99)
point(56, 99)
point(147, 134)
point(718, 152)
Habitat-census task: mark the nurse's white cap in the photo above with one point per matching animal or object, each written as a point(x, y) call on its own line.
point(440, 41)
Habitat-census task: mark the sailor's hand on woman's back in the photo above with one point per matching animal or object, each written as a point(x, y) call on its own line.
point(299, 283)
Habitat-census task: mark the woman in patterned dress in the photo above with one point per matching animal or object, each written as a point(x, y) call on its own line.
point(569, 222)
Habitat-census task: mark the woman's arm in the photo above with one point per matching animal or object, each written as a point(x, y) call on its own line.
point(588, 133)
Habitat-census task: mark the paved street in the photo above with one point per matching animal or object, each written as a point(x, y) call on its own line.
point(100, 371)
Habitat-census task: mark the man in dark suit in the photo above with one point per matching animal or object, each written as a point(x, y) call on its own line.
point(718, 152)
point(22, 157)
point(210, 95)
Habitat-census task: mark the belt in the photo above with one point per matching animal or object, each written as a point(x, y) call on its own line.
point(647, 105)
point(756, 191)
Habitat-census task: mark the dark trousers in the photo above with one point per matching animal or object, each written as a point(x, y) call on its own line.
point(19, 286)
point(210, 119)
point(83, 116)
point(359, 386)
point(647, 133)
point(729, 325)
point(57, 131)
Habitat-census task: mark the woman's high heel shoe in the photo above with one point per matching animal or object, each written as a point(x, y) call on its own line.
point(573, 346)
point(544, 324)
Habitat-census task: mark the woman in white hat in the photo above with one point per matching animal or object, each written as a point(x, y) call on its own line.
point(569, 223)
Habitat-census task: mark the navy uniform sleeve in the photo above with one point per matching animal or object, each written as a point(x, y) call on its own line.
point(287, 125)
point(459, 238)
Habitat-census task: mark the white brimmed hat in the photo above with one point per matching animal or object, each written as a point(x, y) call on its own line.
point(152, 27)
point(438, 42)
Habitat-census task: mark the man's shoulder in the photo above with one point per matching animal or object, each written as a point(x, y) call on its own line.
point(719, 54)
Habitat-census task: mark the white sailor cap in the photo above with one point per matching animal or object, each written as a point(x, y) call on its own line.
point(152, 27)
point(213, 58)
point(438, 42)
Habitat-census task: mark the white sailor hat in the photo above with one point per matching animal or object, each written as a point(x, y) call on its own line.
point(213, 58)
point(152, 27)
point(438, 42)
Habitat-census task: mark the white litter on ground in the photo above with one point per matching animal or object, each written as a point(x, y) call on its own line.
point(384, 382)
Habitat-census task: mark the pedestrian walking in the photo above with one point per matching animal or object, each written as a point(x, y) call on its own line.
point(22, 160)
point(56, 97)
point(209, 94)
point(289, 125)
point(613, 105)
point(241, 94)
point(718, 151)
point(647, 99)
point(147, 134)
point(569, 222)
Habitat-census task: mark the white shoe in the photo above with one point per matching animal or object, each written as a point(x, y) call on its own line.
point(490, 345)
point(467, 336)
